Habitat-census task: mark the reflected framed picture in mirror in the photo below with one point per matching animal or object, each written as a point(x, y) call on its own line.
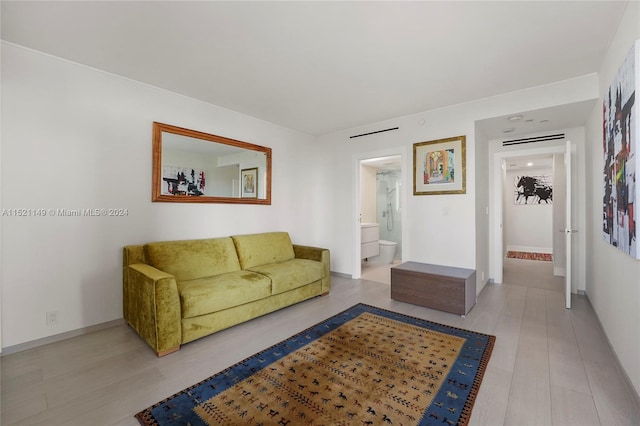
point(182, 181)
point(249, 182)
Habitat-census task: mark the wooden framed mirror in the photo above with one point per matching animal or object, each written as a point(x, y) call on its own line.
point(197, 167)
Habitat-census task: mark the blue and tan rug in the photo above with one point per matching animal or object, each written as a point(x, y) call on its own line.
point(364, 366)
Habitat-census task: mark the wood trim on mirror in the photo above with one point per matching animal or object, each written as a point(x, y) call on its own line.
point(157, 178)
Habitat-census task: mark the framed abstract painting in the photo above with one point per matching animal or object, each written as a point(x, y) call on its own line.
point(533, 189)
point(621, 143)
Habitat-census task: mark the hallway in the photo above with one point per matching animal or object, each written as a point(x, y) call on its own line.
point(532, 274)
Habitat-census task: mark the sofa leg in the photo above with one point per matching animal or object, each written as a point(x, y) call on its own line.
point(168, 351)
point(326, 293)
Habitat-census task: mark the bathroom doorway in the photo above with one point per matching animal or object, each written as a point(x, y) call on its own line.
point(380, 216)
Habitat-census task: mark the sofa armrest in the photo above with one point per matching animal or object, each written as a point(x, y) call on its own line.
point(154, 307)
point(320, 255)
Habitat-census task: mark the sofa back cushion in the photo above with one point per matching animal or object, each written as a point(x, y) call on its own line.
point(191, 259)
point(262, 249)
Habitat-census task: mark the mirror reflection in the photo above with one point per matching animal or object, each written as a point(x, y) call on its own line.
point(191, 166)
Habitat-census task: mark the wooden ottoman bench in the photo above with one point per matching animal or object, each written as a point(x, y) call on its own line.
point(439, 287)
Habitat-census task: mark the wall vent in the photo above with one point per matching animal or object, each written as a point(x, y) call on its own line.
point(373, 133)
point(532, 140)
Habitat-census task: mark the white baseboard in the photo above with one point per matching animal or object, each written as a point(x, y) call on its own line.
point(59, 337)
point(343, 275)
point(633, 391)
point(531, 249)
point(559, 272)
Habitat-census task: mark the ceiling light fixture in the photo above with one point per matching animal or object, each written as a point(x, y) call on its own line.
point(509, 130)
point(529, 164)
point(515, 118)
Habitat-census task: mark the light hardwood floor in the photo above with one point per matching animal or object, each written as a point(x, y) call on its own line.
point(550, 366)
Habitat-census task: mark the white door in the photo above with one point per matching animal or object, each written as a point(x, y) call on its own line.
point(568, 231)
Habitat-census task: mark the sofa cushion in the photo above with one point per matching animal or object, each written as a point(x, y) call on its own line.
point(291, 274)
point(190, 259)
point(206, 295)
point(261, 249)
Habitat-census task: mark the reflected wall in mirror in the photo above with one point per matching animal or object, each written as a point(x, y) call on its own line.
point(196, 167)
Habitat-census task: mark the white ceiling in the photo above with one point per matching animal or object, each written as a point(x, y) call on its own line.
point(537, 121)
point(319, 67)
point(529, 162)
point(393, 162)
point(183, 143)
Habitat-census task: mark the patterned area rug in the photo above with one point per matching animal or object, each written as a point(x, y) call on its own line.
point(364, 366)
point(546, 257)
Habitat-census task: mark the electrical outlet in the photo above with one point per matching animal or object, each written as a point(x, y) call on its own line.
point(52, 317)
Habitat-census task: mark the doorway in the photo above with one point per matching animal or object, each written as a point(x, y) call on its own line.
point(379, 201)
point(533, 207)
point(500, 200)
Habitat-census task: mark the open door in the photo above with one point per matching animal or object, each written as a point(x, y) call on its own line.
point(568, 231)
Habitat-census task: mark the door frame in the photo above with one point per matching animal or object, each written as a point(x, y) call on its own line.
point(497, 238)
point(568, 229)
point(357, 158)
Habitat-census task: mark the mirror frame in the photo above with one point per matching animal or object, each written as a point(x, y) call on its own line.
point(156, 178)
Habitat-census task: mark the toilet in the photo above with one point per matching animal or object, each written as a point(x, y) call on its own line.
point(387, 252)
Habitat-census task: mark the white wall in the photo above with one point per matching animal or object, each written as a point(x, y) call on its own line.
point(527, 227)
point(74, 137)
point(482, 179)
point(613, 283)
point(1, 204)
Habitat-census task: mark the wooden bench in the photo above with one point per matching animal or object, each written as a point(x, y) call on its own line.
point(439, 287)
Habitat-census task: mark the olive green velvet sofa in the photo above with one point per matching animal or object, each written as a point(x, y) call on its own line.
point(175, 292)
